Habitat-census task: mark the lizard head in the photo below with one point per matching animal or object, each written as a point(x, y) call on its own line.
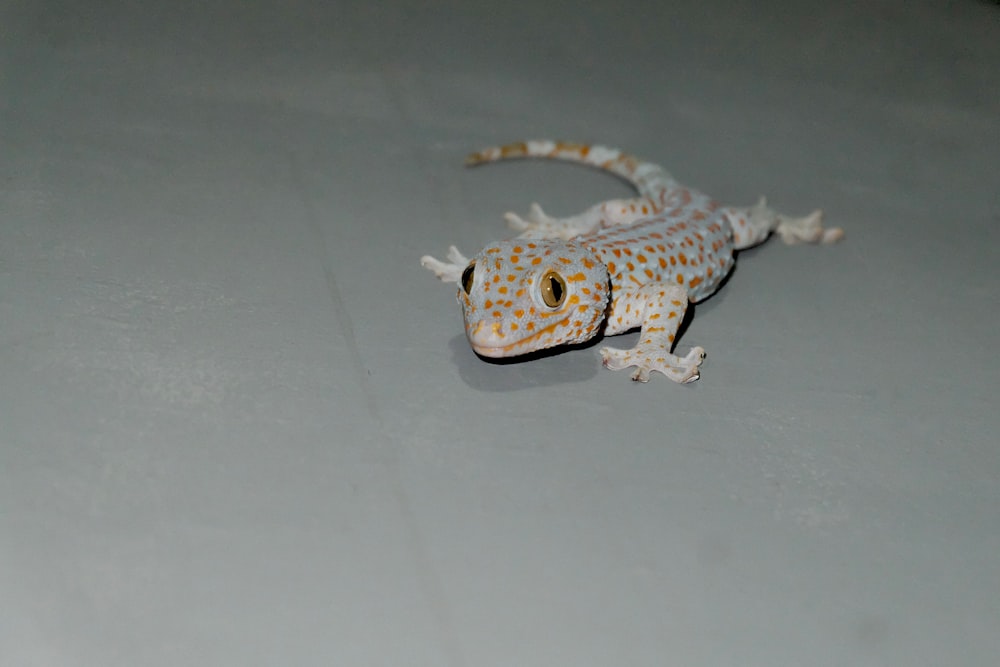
point(526, 295)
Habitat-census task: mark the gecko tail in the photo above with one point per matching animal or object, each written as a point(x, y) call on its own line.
point(647, 178)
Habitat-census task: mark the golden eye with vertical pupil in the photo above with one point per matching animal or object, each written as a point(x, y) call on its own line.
point(553, 289)
point(467, 277)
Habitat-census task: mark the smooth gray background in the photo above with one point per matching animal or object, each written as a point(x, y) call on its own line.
point(239, 424)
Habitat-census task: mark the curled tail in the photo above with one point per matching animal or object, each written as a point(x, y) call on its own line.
point(647, 178)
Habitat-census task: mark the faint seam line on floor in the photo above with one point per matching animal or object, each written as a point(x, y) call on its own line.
point(392, 75)
point(430, 583)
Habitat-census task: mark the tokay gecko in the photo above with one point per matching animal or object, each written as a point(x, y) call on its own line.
point(619, 265)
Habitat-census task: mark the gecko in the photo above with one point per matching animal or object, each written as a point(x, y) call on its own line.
point(621, 264)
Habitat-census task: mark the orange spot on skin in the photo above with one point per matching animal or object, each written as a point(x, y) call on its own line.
point(649, 273)
point(530, 326)
point(518, 148)
point(565, 260)
point(488, 304)
point(694, 282)
point(497, 314)
point(536, 261)
point(663, 263)
point(617, 252)
point(680, 279)
point(511, 278)
point(683, 258)
point(513, 326)
point(577, 277)
point(519, 313)
point(611, 268)
point(588, 263)
point(514, 259)
point(641, 258)
point(502, 289)
point(518, 249)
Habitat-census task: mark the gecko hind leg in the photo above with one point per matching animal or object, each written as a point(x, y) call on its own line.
point(753, 224)
point(611, 213)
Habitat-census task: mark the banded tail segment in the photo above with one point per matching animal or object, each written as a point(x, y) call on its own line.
point(647, 178)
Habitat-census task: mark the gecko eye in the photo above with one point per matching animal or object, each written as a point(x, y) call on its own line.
point(553, 289)
point(467, 277)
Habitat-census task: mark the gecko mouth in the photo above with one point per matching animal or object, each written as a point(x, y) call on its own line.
point(493, 351)
point(487, 342)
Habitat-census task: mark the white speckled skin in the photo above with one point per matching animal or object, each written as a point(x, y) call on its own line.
point(619, 265)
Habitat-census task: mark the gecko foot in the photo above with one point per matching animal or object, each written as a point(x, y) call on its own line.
point(540, 225)
point(449, 272)
point(807, 229)
point(647, 358)
point(536, 217)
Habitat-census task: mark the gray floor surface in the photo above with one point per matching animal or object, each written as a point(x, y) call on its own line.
point(240, 425)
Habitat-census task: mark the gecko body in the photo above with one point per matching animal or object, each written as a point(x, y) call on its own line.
point(620, 265)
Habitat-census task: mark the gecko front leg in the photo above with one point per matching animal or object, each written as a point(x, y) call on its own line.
point(659, 309)
point(449, 272)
